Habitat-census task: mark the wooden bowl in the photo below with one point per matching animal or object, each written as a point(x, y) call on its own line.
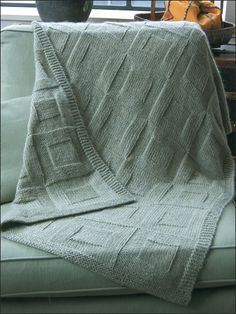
point(216, 37)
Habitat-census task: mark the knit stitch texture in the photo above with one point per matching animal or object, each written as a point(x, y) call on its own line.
point(126, 167)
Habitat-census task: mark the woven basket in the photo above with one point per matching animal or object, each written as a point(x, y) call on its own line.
point(216, 37)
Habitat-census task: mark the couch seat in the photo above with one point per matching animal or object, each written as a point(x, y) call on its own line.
point(29, 272)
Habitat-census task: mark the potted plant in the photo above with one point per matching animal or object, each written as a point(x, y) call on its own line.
point(64, 10)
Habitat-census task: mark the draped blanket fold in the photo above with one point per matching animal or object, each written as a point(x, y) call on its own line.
point(126, 168)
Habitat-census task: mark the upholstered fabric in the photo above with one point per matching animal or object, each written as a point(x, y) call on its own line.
point(17, 79)
point(14, 119)
point(17, 62)
point(203, 301)
point(100, 136)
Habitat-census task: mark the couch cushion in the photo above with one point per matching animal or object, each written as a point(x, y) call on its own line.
point(17, 62)
point(14, 118)
point(211, 301)
point(17, 79)
point(28, 272)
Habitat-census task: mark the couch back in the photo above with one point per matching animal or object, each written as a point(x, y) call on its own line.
point(17, 80)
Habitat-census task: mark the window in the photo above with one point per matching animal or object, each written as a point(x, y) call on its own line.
point(17, 3)
point(127, 4)
point(101, 4)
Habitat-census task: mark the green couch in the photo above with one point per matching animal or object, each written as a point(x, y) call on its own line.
point(33, 281)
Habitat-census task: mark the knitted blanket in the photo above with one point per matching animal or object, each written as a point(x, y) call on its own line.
point(126, 167)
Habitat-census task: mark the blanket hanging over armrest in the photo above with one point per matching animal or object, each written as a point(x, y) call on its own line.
point(126, 167)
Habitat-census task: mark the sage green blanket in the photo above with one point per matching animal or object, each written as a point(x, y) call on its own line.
point(126, 166)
